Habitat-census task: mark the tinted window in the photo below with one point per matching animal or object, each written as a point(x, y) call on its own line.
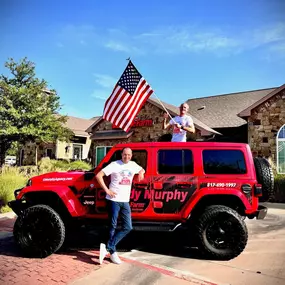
point(223, 162)
point(139, 156)
point(175, 161)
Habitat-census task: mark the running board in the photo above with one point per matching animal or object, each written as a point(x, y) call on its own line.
point(155, 226)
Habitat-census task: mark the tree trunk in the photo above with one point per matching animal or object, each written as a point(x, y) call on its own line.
point(3, 150)
point(36, 154)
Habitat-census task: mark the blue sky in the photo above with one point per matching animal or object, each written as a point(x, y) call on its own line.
point(185, 49)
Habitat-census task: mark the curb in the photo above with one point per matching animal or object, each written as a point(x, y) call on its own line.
point(273, 205)
point(9, 215)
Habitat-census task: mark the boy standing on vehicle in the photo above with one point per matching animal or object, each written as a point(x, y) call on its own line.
point(181, 124)
point(118, 197)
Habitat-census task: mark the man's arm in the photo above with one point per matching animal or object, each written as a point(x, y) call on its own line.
point(141, 175)
point(190, 129)
point(165, 125)
point(101, 182)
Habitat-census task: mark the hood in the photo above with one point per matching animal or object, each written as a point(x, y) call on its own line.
point(64, 178)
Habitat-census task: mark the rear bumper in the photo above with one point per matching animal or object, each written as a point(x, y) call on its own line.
point(261, 212)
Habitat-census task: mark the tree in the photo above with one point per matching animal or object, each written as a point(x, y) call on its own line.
point(28, 110)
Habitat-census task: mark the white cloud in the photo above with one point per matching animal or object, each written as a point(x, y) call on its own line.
point(279, 48)
point(269, 34)
point(100, 94)
point(79, 34)
point(180, 39)
point(104, 80)
point(117, 46)
point(212, 40)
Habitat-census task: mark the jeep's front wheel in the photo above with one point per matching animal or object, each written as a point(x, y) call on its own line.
point(39, 231)
point(221, 232)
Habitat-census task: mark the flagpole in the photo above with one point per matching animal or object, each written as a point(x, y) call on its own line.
point(164, 107)
point(129, 59)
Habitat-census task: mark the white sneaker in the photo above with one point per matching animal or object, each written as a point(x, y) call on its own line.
point(103, 252)
point(115, 258)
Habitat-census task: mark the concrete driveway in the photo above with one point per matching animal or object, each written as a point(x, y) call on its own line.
point(151, 259)
point(262, 262)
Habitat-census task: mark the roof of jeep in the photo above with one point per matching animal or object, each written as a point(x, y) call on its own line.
point(180, 144)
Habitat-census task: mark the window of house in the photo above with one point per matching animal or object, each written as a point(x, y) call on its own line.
point(280, 144)
point(77, 151)
point(49, 153)
point(265, 139)
point(224, 162)
point(101, 151)
point(175, 161)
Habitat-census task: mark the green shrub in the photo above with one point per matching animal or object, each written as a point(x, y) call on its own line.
point(10, 180)
point(5, 209)
point(60, 165)
point(45, 165)
point(80, 165)
point(279, 188)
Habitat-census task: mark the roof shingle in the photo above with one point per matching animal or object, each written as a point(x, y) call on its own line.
point(79, 125)
point(175, 110)
point(221, 111)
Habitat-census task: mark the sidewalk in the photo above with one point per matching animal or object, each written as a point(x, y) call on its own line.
point(273, 205)
point(80, 266)
point(6, 224)
point(9, 215)
point(59, 268)
point(129, 273)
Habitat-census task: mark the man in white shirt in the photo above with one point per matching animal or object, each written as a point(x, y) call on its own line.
point(181, 124)
point(118, 197)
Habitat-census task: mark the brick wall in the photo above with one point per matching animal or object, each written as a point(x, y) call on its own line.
point(141, 133)
point(264, 123)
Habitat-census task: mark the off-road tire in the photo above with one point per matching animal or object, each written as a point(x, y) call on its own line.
point(237, 230)
point(264, 175)
point(39, 231)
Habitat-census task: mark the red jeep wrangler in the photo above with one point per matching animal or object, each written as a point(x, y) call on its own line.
point(204, 189)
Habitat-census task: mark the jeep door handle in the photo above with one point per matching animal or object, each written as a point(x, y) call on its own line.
point(183, 186)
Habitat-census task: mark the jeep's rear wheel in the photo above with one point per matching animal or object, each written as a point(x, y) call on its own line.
point(39, 231)
point(221, 232)
point(264, 175)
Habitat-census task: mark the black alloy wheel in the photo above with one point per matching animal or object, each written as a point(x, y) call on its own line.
point(39, 231)
point(221, 232)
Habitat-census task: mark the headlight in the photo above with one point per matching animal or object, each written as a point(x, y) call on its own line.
point(29, 183)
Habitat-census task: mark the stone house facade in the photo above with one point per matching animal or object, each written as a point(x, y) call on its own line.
point(78, 148)
point(255, 117)
point(147, 127)
point(266, 120)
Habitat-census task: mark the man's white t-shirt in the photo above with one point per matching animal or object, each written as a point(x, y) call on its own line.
point(121, 179)
point(179, 135)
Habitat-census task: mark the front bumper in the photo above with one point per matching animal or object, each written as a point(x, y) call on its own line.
point(18, 206)
point(261, 212)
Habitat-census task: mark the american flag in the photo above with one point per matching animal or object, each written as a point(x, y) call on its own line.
point(127, 98)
